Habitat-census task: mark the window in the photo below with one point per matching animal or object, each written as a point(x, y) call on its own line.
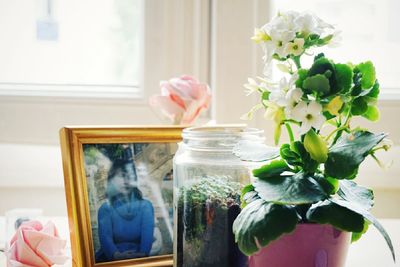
point(74, 47)
point(369, 31)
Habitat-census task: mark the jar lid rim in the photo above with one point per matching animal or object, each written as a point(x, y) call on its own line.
point(222, 130)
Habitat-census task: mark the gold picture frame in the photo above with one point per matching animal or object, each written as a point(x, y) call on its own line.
point(77, 146)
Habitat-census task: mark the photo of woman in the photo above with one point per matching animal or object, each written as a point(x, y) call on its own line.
point(126, 220)
point(129, 199)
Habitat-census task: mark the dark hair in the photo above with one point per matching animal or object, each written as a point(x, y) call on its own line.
point(121, 166)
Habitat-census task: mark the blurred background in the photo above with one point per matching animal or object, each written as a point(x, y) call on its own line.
point(91, 62)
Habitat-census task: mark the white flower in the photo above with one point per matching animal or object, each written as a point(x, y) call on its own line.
point(335, 40)
point(251, 87)
point(292, 98)
point(278, 95)
point(279, 40)
point(309, 115)
point(296, 47)
point(309, 23)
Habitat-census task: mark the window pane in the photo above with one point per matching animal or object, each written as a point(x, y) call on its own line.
point(70, 42)
point(369, 31)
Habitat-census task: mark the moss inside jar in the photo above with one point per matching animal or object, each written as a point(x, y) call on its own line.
point(206, 211)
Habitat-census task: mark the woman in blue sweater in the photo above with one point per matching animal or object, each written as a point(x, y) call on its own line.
point(126, 220)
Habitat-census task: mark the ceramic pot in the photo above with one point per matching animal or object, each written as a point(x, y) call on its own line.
point(310, 245)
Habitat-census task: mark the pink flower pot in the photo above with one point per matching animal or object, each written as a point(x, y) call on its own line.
point(310, 245)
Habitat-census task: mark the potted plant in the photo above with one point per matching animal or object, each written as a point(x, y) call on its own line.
point(307, 186)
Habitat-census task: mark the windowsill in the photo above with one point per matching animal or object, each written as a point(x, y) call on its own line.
point(370, 250)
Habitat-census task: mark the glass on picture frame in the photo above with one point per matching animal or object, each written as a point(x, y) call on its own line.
point(130, 199)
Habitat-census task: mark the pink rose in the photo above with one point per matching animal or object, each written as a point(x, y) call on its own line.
point(182, 99)
point(35, 245)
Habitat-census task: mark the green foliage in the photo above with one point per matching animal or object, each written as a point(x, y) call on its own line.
point(367, 71)
point(302, 76)
point(296, 189)
point(317, 83)
point(272, 169)
point(372, 113)
point(340, 217)
point(344, 77)
point(346, 155)
point(355, 236)
point(359, 106)
point(361, 196)
point(251, 224)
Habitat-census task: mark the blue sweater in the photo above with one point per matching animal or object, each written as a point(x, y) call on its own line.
point(125, 226)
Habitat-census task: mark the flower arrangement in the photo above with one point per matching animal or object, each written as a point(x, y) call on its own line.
point(311, 178)
point(182, 99)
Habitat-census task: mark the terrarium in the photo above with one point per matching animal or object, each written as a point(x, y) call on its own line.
point(208, 179)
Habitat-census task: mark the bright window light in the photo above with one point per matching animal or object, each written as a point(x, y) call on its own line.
point(71, 44)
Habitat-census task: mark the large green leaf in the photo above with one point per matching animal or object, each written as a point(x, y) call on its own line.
point(346, 155)
point(294, 189)
point(261, 222)
point(367, 70)
point(272, 169)
point(358, 195)
point(372, 113)
point(253, 151)
point(355, 236)
point(344, 77)
point(368, 216)
point(317, 83)
point(327, 212)
point(359, 106)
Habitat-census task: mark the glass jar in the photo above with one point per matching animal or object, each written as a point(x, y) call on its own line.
point(208, 179)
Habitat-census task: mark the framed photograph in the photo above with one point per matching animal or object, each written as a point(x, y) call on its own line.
point(118, 184)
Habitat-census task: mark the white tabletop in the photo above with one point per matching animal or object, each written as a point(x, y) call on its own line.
point(371, 250)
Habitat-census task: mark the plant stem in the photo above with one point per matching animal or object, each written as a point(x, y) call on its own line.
point(290, 132)
point(334, 131)
point(296, 60)
point(346, 123)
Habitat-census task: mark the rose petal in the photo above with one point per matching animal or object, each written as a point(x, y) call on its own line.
point(14, 263)
point(26, 255)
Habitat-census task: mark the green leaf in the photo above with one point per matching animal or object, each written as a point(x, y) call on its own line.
point(261, 222)
point(330, 185)
point(375, 90)
point(344, 77)
point(327, 212)
point(317, 83)
point(248, 195)
point(372, 113)
point(358, 195)
point(368, 216)
point(346, 155)
point(355, 236)
point(367, 70)
point(299, 188)
point(316, 146)
point(323, 66)
point(309, 165)
point(272, 169)
point(359, 106)
point(291, 157)
point(302, 76)
point(253, 151)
